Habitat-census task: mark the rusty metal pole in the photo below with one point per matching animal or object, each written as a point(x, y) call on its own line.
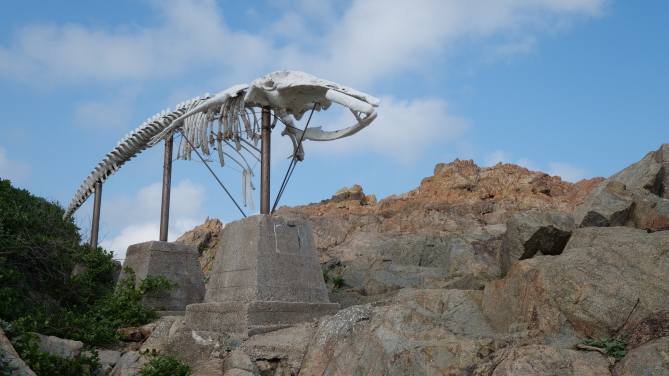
point(167, 184)
point(264, 160)
point(95, 226)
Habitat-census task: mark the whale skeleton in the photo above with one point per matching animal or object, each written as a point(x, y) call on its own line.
point(229, 119)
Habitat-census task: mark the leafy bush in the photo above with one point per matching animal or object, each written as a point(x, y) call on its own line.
point(326, 277)
point(40, 293)
point(6, 367)
point(164, 365)
point(614, 347)
point(338, 281)
point(43, 363)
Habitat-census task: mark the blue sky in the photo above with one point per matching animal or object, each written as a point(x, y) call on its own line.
point(575, 88)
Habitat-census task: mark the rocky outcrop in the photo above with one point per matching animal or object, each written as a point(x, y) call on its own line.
point(444, 234)
point(461, 198)
point(541, 360)
point(534, 232)
point(651, 359)
point(648, 328)
point(592, 286)
point(205, 237)
point(422, 278)
point(434, 332)
point(380, 265)
point(634, 197)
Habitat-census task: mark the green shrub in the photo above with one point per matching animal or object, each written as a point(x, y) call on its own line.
point(45, 364)
point(38, 291)
point(338, 281)
point(326, 277)
point(6, 367)
point(614, 347)
point(163, 365)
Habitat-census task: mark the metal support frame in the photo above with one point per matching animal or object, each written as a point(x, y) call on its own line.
point(95, 225)
point(265, 136)
point(167, 184)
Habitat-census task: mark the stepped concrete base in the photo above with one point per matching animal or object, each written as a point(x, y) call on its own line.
point(245, 319)
point(266, 258)
point(177, 262)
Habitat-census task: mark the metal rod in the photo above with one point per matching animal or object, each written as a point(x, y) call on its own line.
point(293, 162)
point(212, 172)
point(265, 136)
point(167, 184)
point(95, 226)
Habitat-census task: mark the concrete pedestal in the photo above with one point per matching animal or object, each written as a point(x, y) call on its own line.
point(265, 276)
point(177, 262)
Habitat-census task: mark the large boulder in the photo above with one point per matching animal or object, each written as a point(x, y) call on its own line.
point(649, 328)
point(422, 332)
point(374, 265)
point(534, 232)
point(592, 286)
point(635, 197)
point(64, 348)
point(542, 360)
point(651, 359)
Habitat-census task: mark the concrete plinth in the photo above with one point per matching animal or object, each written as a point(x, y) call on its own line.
point(266, 258)
point(177, 262)
point(265, 276)
point(244, 319)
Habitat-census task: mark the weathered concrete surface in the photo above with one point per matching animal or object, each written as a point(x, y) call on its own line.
point(592, 285)
point(62, 347)
point(13, 356)
point(541, 360)
point(205, 238)
point(266, 258)
point(635, 197)
point(177, 262)
point(534, 232)
point(651, 359)
point(245, 319)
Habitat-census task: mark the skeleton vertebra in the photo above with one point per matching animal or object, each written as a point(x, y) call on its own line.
point(287, 92)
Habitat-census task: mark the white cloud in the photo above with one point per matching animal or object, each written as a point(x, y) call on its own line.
point(10, 169)
point(137, 219)
point(403, 130)
point(192, 34)
point(114, 112)
point(496, 157)
point(564, 170)
point(567, 172)
point(368, 41)
point(528, 164)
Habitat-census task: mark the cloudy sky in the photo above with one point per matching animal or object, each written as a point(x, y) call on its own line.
point(575, 88)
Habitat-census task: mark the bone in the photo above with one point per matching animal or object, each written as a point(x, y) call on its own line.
point(289, 93)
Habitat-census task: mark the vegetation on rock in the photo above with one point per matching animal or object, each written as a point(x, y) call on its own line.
point(6, 367)
point(164, 365)
point(54, 284)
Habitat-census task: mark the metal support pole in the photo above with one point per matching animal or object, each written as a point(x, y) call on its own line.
point(264, 161)
point(167, 183)
point(95, 226)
